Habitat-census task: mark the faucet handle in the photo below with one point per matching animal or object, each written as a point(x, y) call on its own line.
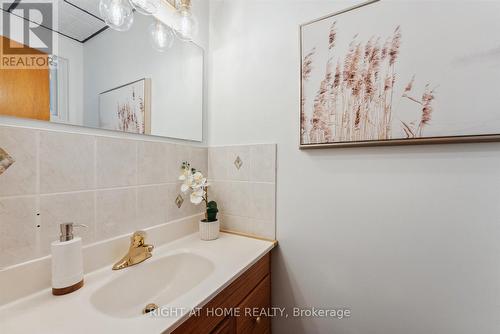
point(138, 239)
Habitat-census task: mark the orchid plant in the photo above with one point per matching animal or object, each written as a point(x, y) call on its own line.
point(194, 181)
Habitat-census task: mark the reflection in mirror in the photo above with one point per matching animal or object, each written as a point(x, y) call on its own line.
point(103, 78)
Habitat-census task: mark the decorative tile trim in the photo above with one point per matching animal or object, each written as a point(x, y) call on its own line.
point(179, 200)
point(238, 162)
point(5, 161)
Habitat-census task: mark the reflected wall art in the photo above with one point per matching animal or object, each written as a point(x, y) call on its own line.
point(127, 107)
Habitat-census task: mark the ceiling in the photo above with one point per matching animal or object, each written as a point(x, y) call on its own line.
point(77, 19)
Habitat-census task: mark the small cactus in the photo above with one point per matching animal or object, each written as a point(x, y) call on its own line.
point(212, 211)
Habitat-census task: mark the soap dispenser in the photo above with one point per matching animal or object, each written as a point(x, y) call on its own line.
point(67, 262)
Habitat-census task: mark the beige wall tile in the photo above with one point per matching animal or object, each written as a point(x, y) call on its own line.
point(246, 197)
point(152, 205)
point(263, 163)
point(173, 212)
point(262, 201)
point(18, 230)
point(78, 208)
point(187, 208)
point(217, 167)
point(116, 162)
point(198, 157)
point(238, 199)
point(115, 212)
point(21, 144)
point(233, 173)
point(71, 164)
point(152, 162)
point(235, 223)
point(263, 228)
point(66, 162)
point(177, 154)
point(219, 191)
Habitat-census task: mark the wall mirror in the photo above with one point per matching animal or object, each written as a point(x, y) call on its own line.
point(102, 78)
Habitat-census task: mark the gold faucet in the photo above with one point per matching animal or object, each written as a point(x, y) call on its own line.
point(137, 252)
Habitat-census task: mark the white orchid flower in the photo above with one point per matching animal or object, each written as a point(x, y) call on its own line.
point(197, 196)
point(201, 184)
point(195, 181)
point(199, 192)
point(198, 177)
point(196, 199)
point(185, 174)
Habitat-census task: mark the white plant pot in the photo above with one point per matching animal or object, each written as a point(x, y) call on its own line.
point(209, 231)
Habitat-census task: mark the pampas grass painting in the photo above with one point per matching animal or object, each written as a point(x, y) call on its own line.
point(363, 84)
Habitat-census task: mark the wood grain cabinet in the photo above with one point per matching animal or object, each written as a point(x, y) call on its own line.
point(238, 309)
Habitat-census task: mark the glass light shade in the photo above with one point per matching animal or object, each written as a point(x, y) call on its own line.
point(118, 14)
point(186, 25)
point(161, 36)
point(145, 7)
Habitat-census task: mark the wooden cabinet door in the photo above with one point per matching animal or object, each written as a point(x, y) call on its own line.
point(25, 92)
point(258, 299)
point(227, 326)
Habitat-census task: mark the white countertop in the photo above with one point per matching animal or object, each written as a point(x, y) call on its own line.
point(43, 313)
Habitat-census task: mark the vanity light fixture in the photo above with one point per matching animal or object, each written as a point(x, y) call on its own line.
point(186, 25)
point(161, 36)
point(145, 7)
point(119, 15)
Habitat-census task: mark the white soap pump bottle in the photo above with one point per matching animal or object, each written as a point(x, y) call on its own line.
point(67, 261)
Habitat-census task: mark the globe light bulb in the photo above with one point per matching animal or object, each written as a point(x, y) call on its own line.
point(161, 36)
point(117, 14)
point(145, 7)
point(186, 25)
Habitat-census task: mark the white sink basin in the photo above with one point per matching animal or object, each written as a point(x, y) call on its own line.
point(183, 273)
point(158, 281)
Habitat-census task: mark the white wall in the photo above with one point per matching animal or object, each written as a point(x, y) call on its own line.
point(73, 51)
point(113, 58)
point(406, 237)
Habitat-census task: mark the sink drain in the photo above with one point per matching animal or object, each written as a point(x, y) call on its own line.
point(149, 308)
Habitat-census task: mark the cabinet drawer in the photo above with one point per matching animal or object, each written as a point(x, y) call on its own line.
point(225, 327)
point(259, 299)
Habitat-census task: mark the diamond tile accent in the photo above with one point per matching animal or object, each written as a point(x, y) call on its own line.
point(238, 162)
point(5, 161)
point(179, 200)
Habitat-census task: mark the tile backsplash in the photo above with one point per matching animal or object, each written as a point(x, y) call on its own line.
point(243, 182)
point(113, 185)
point(117, 186)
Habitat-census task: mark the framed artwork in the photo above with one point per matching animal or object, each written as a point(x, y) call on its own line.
point(396, 73)
point(127, 107)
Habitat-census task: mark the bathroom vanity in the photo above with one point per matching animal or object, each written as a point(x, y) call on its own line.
point(197, 285)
